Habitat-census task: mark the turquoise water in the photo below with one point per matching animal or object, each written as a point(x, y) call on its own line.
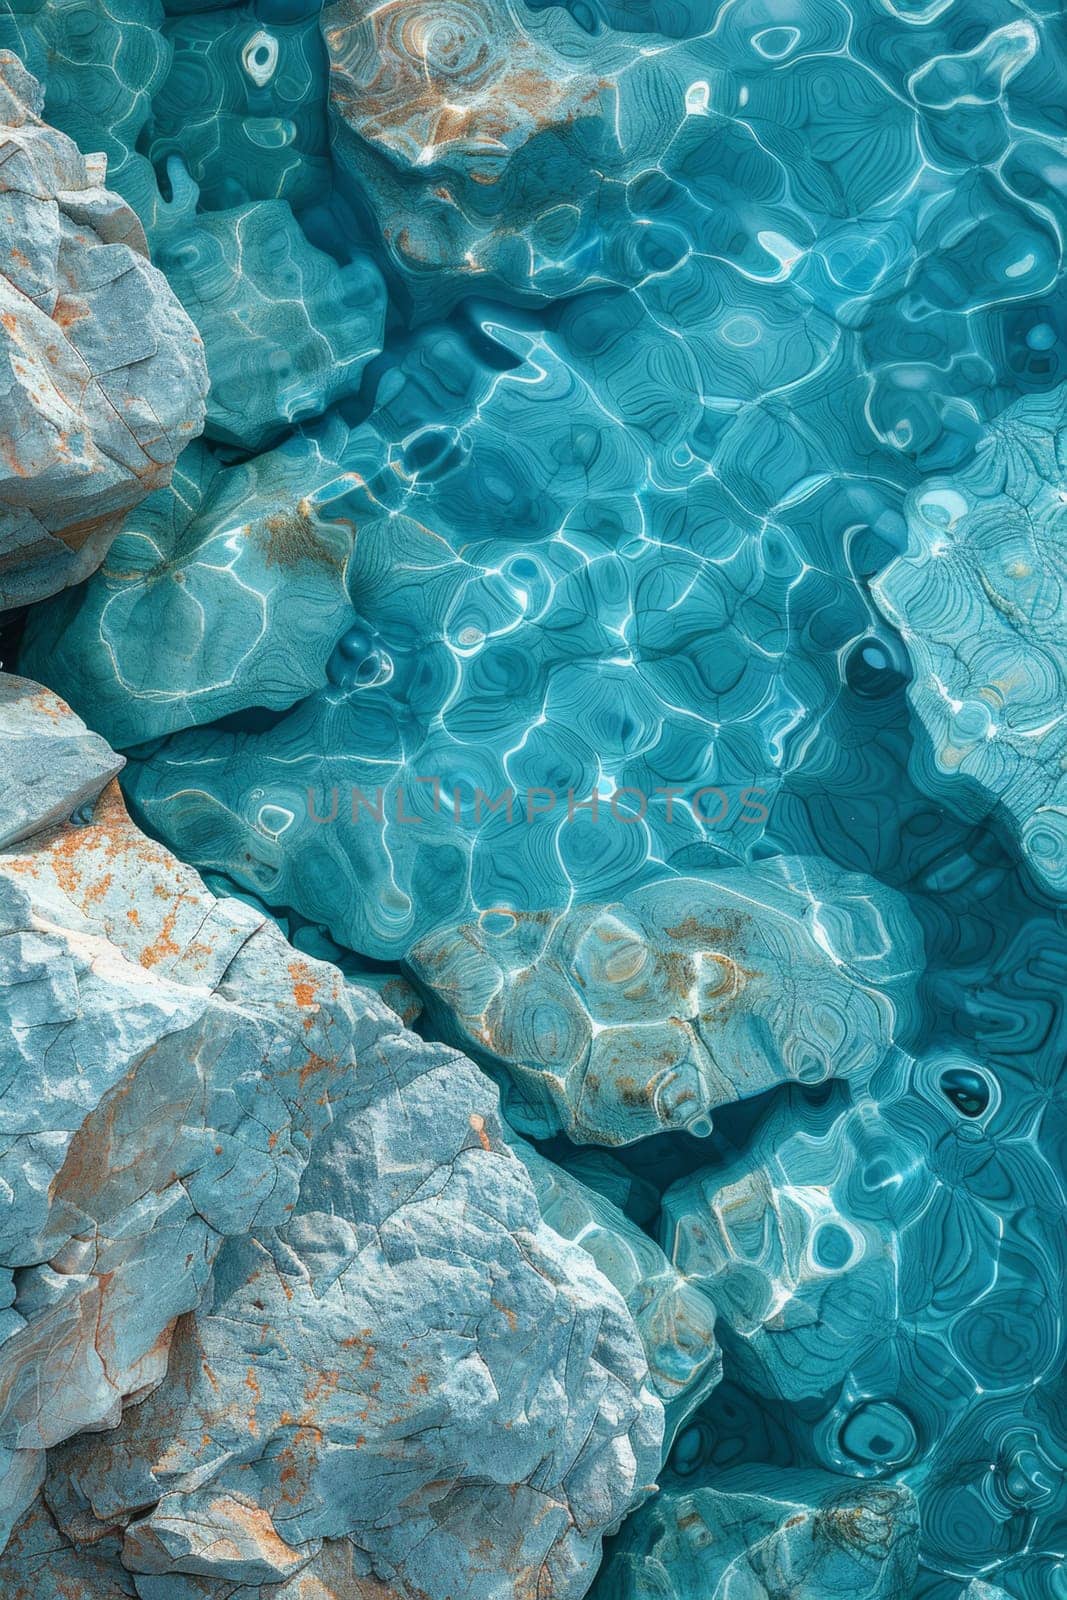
point(621, 587)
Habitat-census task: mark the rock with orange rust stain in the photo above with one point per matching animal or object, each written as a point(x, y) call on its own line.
point(39, 1564)
point(477, 131)
point(234, 1190)
point(218, 1535)
point(52, 764)
point(413, 1360)
point(102, 374)
point(614, 1021)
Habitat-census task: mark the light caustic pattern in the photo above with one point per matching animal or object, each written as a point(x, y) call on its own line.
point(615, 404)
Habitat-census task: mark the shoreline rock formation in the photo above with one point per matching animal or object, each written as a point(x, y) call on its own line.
point(102, 375)
point(270, 1255)
point(612, 619)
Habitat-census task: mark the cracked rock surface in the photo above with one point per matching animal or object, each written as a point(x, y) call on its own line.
point(102, 374)
point(271, 1258)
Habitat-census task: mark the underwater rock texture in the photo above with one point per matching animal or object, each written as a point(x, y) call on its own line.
point(243, 103)
point(614, 616)
point(675, 1320)
point(813, 1229)
point(265, 544)
point(286, 331)
point(980, 599)
point(621, 1020)
point(102, 376)
point(807, 1535)
point(477, 136)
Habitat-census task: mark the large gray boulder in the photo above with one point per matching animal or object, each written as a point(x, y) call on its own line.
point(102, 374)
point(236, 1191)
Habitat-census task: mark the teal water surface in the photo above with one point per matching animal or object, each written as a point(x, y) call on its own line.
point(621, 586)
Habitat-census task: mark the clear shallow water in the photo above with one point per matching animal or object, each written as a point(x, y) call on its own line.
point(670, 401)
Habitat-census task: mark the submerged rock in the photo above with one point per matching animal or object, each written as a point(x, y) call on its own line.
point(102, 375)
point(980, 596)
point(244, 102)
point(793, 1536)
point(675, 1319)
point(287, 332)
point(467, 129)
point(616, 1021)
point(246, 564)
